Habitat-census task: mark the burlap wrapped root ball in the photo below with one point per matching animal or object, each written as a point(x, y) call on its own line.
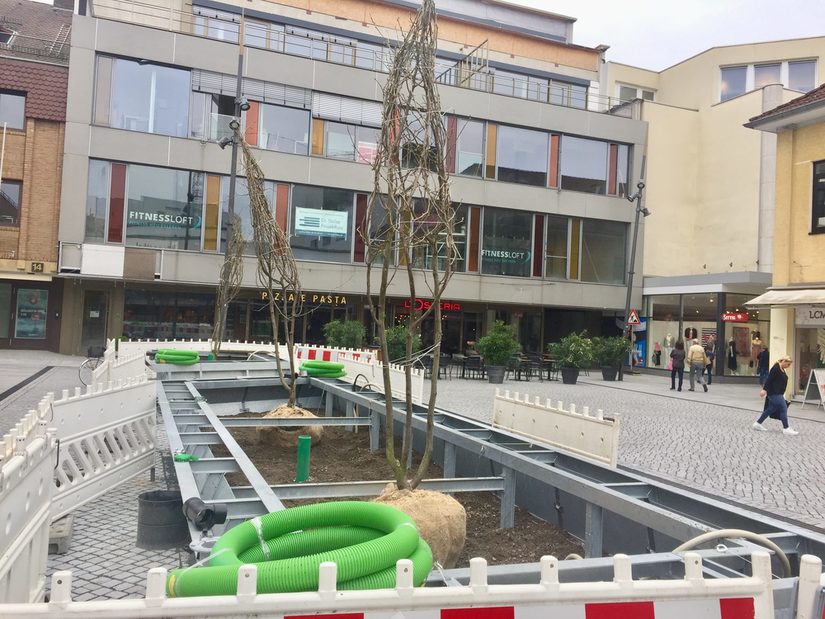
point(441, 520)
point(288, 437)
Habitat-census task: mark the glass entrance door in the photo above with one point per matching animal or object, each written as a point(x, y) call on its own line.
point(94, 320)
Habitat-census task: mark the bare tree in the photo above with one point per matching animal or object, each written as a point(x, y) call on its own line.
point(277, 269)
point(408, 228)
point(230, 282)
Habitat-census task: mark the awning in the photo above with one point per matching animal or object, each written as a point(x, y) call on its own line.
point(797, 296)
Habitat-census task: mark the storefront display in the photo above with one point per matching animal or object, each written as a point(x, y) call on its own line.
point(30, 319)
point(810, 343)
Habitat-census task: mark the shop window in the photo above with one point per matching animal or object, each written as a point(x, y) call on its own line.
point(322, 227)
point(604, 248)
point(5, 309)
point(284, 129)
point(140, 96)
point(555, 256)
point(521, 156)
point(818, 204)
point(167, 315)
point(30, 314)
point(12, 110)
point(583, 165)
point(506, 246)
point(10, 194)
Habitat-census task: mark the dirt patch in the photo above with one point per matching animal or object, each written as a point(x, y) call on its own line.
point(345, 456)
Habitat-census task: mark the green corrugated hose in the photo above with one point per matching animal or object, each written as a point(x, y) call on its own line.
point(364, 539)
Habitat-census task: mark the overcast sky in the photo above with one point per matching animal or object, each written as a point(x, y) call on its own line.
point(656, 34)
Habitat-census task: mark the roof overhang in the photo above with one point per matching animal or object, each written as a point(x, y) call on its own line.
point(797, 117)
point(786, 297)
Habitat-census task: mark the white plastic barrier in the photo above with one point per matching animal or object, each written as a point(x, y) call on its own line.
point(305, 352)
point(145, 346)
point(810, 603)
point(26, 463)
point(107, 436)
point(623, 598)
point(120, 365)
point(372, 372)
point(591, 436)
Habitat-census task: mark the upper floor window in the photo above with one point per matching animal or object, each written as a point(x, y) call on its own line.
point(603, 251)
point(818, 205)
point(141, 96)
point(10, 194)
point(6, 35)
point(629, 93)
point(521, 155)
point(796, 75)
point(469, 147)
point(507, 242)
point(322, 226)
point(216, 24)
point(583, 165)
point(12, 110)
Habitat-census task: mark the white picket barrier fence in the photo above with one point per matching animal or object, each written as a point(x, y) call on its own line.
point(26, 470)
point(120, 364)
point(205, 346)
point(590, 436)
point(623, 598)
point(372, 372)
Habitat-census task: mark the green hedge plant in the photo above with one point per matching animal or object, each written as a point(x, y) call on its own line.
point(499, 345)
point(610, 351)
point(573, 351)
point(344, 334)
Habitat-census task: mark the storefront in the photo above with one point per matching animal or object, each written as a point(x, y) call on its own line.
point(30, 314)
point(721, 319)
point(809, 342)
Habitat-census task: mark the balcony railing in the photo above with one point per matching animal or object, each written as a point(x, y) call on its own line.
point(35, 48)
point(223, 26)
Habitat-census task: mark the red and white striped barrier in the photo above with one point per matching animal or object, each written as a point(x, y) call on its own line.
point(318, 353)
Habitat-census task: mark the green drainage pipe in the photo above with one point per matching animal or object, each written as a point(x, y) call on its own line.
point(365, 540)
point(302, 469)
point(323, 369)
point(178, 357)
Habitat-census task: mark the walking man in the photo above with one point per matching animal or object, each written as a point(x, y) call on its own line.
point(774, 390)
point(697, 360)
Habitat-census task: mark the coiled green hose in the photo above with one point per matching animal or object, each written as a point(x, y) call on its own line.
point(323, 369)
point(177, 357)
point(365, 540)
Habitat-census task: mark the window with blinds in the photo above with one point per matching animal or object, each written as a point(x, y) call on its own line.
point(346, 110)
point(266, 92)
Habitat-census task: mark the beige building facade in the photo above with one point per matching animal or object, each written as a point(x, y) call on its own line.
point(709, 244)
point(797, 296)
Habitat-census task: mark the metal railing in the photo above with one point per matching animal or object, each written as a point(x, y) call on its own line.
point(35, 48)
point(320, 46)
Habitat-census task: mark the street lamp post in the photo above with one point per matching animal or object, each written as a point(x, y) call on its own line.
point(640, 210)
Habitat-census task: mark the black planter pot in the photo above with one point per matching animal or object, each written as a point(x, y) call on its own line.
point(495, 374)
point(569, 376)
point(609, 372)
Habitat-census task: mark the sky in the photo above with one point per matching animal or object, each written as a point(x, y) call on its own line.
point(656, 34)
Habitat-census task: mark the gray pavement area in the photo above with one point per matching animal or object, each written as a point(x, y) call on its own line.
point(701, 441)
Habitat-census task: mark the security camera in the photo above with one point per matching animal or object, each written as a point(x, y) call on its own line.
point(243, 103)
point(224, 142)
point(234, 124)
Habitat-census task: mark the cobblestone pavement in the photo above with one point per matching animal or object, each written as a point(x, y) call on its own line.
point(699, 440)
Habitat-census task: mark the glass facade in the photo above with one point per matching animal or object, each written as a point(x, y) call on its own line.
point(284, 129)
point(322, 227)
point(583, 165)
point(603, 251)
point(522, 155)
point(242, 211)
point(555, 258)
point(469, 147)
point(506, 243)
point(167, 315)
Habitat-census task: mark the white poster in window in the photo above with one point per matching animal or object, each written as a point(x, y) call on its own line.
point(318, 222)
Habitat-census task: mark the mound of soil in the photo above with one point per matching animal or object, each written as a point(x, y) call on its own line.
point(345, 456)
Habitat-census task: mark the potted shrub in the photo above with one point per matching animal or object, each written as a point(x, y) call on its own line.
point(497, 347)
point(573, 352)
point(610, 353)
point(344, 334)
point(397, 343)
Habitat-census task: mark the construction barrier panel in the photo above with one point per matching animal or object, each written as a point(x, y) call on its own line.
point(583, 434)
point(694, 596)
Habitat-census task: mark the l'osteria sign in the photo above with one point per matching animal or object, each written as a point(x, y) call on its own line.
point(810, 316)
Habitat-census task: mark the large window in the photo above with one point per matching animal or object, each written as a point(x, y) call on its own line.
point(629, 93)
point(167, 315)
point(603, 252)
point(350, 142)
point(142, 97)
point(795, 74)
point(284, 129)
point(321, 224)
point(12, 110)
point(216, 24)
point(818, 206)
point(242, 211)
point(521, 155)
point(469, 149)
point(97, 201)
point(584, 165)
point(423, 257)
point(165, 208)
point(10, 194)
point(507, 242)
point(555, 257)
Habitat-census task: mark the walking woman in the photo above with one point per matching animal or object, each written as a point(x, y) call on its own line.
point(677, 365)
point(774, 390)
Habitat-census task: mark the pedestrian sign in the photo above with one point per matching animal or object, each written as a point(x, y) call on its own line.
point(633, 318)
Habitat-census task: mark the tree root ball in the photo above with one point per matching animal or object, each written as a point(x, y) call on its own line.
point(288, 437)
point(441, 520)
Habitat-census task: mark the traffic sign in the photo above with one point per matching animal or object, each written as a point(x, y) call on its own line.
point(633, 318)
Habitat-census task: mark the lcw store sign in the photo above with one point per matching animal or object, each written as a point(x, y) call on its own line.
point(810, 316)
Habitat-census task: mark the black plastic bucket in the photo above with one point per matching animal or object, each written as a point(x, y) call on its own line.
point(161, 523)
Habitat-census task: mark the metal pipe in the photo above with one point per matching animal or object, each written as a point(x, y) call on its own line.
point(302, 468)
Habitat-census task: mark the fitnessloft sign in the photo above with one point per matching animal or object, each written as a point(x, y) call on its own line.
point(810, 316)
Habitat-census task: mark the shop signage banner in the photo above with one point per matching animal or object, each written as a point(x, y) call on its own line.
point(810, 315)
point(30, 315)
point(423, 305)
point(735, 317)
point(506, 255)
point(317, 222)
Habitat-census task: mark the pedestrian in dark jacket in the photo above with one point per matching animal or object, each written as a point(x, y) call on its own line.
point(762, 365)
point(774, 390)
point(677, 365)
